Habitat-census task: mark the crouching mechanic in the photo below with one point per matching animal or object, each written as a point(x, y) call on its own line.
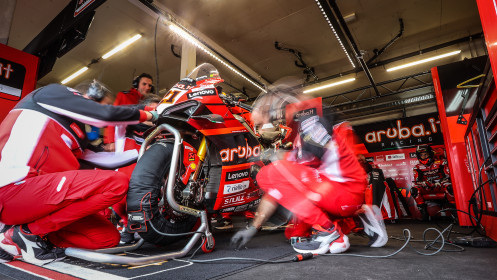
point(320, 182)
point(49, 201)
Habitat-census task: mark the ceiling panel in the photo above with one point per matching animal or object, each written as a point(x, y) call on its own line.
point(247, 30)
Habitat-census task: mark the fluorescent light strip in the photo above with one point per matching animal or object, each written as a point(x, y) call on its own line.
point(105, 56)
point(334, 32)
point(423, 61)
point(329, 85)
point(176, 29)
point(77, 73)
point(122, 46)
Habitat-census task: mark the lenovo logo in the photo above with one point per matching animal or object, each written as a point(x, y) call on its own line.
point(201, 93)
point(237, 175)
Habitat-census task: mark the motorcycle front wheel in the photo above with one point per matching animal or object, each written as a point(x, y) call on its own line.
point(145, 193)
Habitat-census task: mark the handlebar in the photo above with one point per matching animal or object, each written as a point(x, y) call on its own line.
point(232, 101)
point(245, 106)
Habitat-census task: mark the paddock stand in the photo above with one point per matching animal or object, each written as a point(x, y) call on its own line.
point(107, 255)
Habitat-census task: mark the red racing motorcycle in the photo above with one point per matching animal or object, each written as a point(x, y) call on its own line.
point(201, 158)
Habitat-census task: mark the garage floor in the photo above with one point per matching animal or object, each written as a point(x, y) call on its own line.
point(472, 263)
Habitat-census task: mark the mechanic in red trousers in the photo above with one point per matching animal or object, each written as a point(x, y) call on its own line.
point(51, 203)
point(320, 181)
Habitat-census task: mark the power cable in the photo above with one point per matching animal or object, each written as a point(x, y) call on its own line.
point(299, 257)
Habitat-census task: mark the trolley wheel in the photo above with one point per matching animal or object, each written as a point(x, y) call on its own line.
point(207, 249)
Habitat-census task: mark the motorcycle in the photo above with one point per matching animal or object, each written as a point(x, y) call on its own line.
point(201, 158)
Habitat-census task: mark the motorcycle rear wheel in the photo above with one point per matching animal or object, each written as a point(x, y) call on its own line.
point(150, 172)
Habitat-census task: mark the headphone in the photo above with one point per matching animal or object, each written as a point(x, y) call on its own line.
point(136, 81)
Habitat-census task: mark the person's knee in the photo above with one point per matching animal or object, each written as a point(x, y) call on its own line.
point(120, 183)
point(111, 240)
point(108, 239)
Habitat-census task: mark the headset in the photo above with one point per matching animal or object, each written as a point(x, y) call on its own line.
point(137, 79)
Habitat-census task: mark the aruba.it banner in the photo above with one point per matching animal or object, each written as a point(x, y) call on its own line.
point(403, 133)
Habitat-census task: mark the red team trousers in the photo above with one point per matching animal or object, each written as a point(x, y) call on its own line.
point(64, 205)
point(311, 196)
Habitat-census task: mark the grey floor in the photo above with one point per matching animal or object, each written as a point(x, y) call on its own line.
point(472, 263)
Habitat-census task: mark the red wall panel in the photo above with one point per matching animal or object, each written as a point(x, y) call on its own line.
point(18, 72)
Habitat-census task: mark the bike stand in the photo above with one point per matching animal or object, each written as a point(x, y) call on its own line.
point(105, 255)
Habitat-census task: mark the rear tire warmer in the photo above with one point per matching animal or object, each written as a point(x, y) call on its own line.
point(144, 194)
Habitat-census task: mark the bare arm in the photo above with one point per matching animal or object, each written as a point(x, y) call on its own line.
point(266, 208)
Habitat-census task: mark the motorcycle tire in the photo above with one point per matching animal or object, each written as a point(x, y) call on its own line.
point(148, 177)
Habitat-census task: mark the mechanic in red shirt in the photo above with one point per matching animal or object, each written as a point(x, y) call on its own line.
point(42, 192)
point(321, 178)
point(141, 86)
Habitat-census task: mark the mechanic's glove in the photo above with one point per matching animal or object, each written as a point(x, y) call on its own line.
point(242, 237)
point(155, 116)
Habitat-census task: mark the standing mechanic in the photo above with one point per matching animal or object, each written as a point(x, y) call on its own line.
point(141, 87)
point(42, 192)
point(320, 181)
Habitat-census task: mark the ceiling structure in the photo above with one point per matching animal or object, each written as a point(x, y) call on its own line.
point(245, 33)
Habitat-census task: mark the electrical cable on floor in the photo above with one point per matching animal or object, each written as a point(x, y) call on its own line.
point(407, 238)
point(473, 199)
point(429, 243)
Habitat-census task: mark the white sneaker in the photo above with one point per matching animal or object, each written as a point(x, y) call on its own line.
point(323, 241)
point(374, 227)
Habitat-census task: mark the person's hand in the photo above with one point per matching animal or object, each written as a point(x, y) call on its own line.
point(110, 147)
point(155, 116)
point(242, 237)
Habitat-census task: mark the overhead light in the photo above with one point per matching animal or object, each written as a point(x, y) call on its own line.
point(334, 32)
point(423, 60)
point(122, 46)
point(329, 85)
point(105, 56)
point(185, 35)
point(77, 73)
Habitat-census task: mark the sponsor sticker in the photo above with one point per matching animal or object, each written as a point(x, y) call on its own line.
point(307, 112)
point(237, 175)
point(234, 200)
point(237, 187)
point(188, 148)
point(191, 156)
point(241, 207)
point(395, 157)
point(204, 92)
